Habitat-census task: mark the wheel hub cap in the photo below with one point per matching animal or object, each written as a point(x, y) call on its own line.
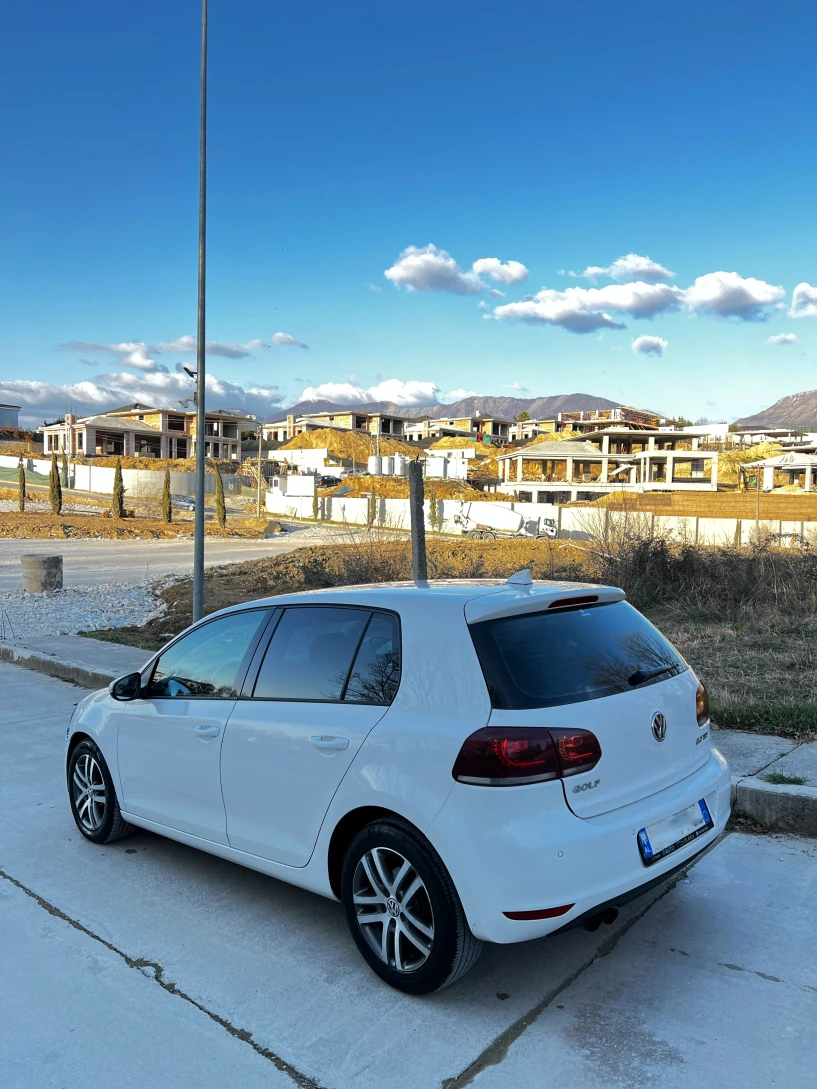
point(88, 792)
point(393, 909)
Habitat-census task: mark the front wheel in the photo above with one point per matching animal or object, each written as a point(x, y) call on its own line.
point(91, 792)
point(403, 910)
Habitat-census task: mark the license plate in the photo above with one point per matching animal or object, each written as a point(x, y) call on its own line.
point(658, 840)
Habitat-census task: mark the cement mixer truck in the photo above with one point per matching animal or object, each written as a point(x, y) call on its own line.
point(489, 521)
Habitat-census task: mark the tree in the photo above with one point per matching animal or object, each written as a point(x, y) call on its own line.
point(521, 417)
point(64, 470)
point(221, 510)
point(54, 489)
point(682, 421)
point(167, 503)
point(21, 486)
point(118, 499)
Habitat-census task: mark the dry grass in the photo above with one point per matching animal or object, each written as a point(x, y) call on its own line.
point(176, 465)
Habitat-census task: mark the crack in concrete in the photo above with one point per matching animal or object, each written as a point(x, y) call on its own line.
point(497, 1051)
point(154, 971)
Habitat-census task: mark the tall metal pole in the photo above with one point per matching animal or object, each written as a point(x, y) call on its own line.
point(258, 500)
point(419, 564)
point(198, 536)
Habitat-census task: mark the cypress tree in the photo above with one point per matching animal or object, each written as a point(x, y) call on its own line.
point(54, 488)
point(21, 486)
point(118, 500)
point(221, 510)
point(64, 470)
point(167, 505)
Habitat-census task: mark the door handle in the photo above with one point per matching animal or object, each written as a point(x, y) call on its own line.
point(207, 731)
point(330, 744)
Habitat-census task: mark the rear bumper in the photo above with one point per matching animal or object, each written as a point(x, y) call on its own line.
point(522, 849)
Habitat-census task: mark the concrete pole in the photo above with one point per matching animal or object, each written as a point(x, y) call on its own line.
point(419, 563)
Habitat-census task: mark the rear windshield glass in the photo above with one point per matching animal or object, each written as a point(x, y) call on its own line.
point(570, 655)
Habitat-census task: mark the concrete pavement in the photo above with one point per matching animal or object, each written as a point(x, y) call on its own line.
point(155, 945)
point(92, 562)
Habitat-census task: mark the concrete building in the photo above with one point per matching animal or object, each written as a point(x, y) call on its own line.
point(10, 416)
point(564, 470)
point(139, 430)
point(372, 423)
point(798, 468)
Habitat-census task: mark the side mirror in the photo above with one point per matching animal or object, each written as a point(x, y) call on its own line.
point(126, 688)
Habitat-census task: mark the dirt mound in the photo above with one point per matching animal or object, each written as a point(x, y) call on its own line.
point(348, 444)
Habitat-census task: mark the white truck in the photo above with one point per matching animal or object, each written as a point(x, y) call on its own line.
point(489, 521)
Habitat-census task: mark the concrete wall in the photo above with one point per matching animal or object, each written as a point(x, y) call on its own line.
point(138, 483)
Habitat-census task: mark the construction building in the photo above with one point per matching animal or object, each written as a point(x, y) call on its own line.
point(139, 430)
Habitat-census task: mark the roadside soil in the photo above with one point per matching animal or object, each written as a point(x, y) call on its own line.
point(37, 526)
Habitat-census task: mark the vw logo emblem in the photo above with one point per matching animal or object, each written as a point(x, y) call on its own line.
point(659, 726)
point(392, 907)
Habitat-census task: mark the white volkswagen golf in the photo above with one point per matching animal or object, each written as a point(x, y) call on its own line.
point(457, 762)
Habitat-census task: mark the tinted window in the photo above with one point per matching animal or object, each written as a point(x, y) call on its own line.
point(208, 660)
point(310, 653)
point(566, 656)
point(376, 672)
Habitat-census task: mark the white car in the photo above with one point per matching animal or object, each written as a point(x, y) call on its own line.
point(457, 762)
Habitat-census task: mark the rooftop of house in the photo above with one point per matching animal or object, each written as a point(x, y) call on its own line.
point(11, 406)
point(565, 448)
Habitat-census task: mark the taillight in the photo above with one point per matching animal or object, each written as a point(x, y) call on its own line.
point(702, 704)
point(516, 755)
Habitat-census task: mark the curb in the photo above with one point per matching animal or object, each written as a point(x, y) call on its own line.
point(781, 808)
point(56, 667)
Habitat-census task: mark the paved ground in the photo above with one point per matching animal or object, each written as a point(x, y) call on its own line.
point(91, 563)
point(148, 964)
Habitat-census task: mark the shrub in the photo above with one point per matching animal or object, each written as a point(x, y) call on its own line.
point(54, 487)
point(21, 486)
point(118, 498)
point(167, 502)
point(221, 510)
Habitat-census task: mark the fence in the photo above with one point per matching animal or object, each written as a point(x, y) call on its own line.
point(573, 523)
point(138, 483)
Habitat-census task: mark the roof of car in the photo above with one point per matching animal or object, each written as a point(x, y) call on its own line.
point(505, 597)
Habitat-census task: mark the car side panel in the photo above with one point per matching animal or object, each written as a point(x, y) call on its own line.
point(98, 716)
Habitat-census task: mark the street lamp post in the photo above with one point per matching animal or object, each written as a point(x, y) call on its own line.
point(201, 427)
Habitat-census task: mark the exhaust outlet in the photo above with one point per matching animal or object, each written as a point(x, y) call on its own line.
point(607, 917)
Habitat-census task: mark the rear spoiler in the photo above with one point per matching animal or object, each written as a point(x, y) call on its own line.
point(537, 599)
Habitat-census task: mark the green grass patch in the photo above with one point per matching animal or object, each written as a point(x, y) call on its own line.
point(779, 778)
point(797, 721)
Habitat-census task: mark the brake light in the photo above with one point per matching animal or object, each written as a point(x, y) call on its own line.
point(702, 704)
point(578, 750)
point(517, 755)
point(571, 602)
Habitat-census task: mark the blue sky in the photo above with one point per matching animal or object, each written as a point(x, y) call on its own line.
point(560, 137)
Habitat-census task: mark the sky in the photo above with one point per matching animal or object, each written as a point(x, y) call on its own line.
point(410, 202)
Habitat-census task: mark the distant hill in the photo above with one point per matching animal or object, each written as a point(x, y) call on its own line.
point(796, 410)
point(506, 407)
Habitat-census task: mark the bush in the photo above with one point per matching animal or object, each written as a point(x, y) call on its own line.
point(221, 510)
point(21, 486)
point(54, 487)
point(167, 502)
point(118, 498)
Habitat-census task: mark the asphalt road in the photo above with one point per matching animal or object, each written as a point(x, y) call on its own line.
point(149, 964)
point(92, 562)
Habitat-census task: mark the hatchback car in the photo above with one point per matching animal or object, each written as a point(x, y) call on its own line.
point(457, 762)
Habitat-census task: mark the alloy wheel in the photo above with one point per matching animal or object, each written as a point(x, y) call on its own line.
point(89, 793)
point(393, 909)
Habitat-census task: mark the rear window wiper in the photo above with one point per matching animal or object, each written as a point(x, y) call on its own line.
point(642, 675)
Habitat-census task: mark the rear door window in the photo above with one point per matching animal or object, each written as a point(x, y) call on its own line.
point(563, 656)
point(311, 653)
point(375, 674)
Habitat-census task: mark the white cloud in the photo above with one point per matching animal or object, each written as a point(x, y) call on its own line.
point(584, 310)
point(131, 353)
point(803, 302)
point(427, 268)
point(650, 346)
point(728, 295)
point(374, 287)
point(630, 267)
point(411, 394)
point(508, 272)
point(160, 388)
point(518, 387)
point(284, 340)
point(783, 338)
point(458, 395)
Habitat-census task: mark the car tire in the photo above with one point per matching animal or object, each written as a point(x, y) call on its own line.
point(403, 910)
point(94, 805)
point(474, 534)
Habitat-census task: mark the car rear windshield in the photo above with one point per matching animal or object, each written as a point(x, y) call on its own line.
point(562, 656)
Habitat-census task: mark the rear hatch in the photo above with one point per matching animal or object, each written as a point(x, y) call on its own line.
point(606, 669)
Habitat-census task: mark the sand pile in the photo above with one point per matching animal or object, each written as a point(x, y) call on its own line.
point(348, 444)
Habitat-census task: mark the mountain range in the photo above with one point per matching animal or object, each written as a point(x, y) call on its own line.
point(796, 410)
point(508, 408)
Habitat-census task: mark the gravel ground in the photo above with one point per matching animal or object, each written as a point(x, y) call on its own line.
point(24, 617)
point(42, 506)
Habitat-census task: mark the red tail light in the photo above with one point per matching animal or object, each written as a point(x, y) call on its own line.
point(516, 755)
point(702, 705)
